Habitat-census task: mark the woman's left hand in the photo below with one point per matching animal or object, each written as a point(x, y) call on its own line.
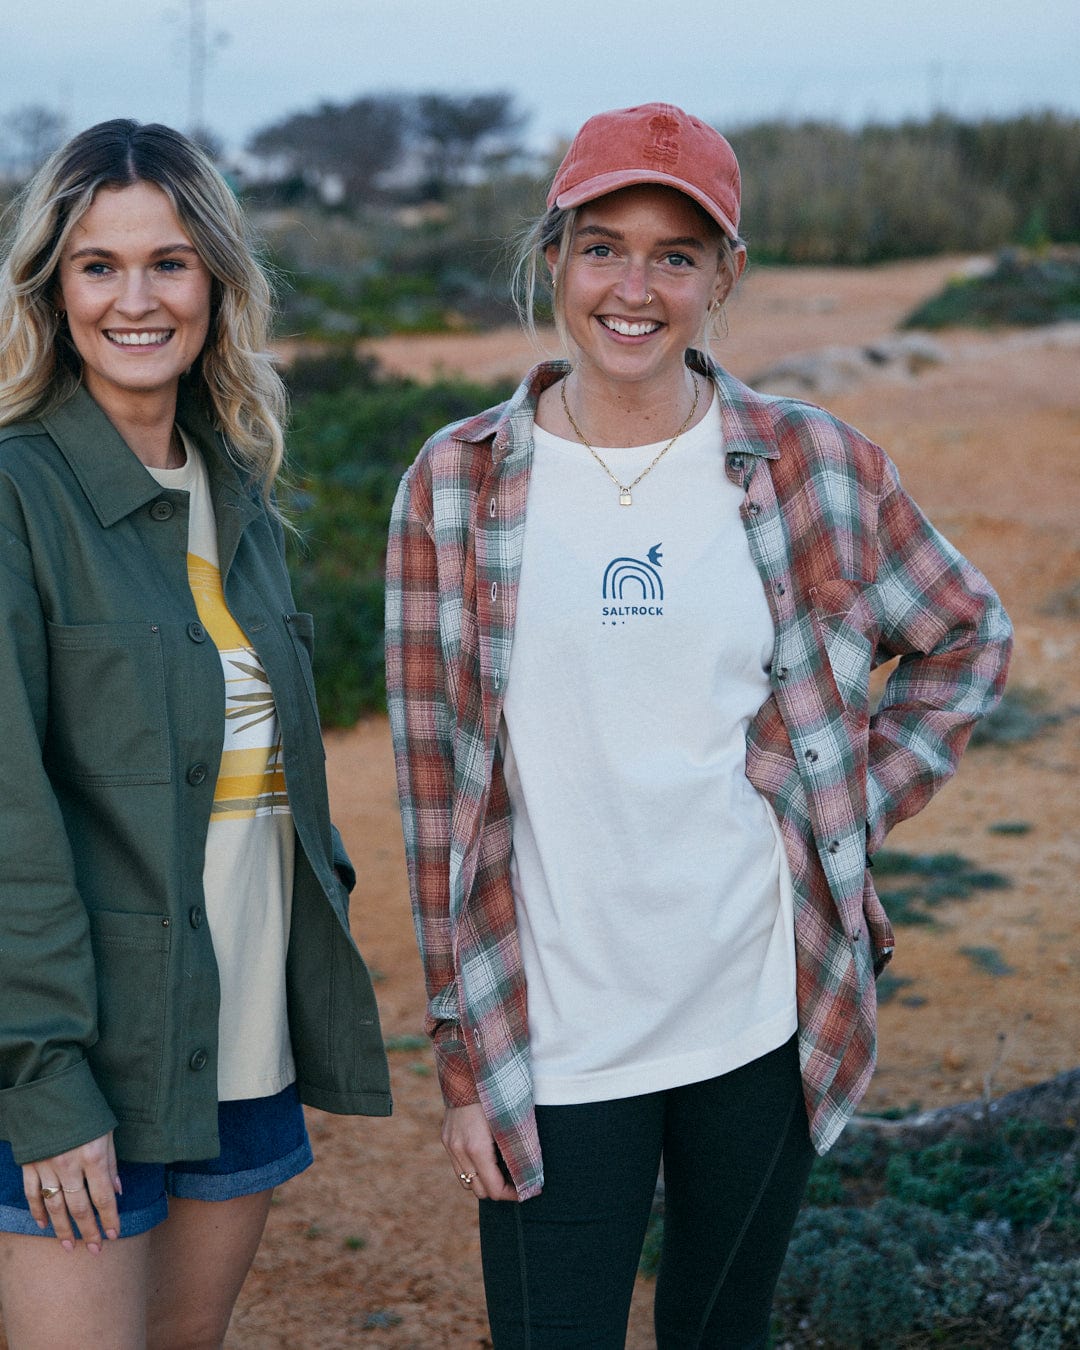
point(81, 1185)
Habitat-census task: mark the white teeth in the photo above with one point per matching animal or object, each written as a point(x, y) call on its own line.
point(625, 329)
point(145, 339)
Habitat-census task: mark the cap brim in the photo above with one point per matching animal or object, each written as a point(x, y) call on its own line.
point(603, 183)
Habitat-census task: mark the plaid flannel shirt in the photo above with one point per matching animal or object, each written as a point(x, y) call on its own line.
point(854, 575)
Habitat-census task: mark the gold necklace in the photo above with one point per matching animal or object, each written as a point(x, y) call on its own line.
point(626, 489)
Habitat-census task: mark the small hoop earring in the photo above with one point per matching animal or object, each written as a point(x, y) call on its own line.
point(648, 298)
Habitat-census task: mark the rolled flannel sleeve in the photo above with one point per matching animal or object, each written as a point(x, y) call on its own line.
point(954, 640)
point(421, 724)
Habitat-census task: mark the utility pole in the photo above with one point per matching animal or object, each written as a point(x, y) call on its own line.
point(196, 65)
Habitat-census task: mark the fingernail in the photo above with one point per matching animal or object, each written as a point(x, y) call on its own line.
point(67, 1245)
point(117, 1186)
point(94, 1248)
point(111, 1234)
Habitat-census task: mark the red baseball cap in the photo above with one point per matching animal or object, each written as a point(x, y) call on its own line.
point(652, 143)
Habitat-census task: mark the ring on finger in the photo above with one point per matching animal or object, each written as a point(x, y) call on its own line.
point(47, 1192)
point(74, 1190)
point(466, 1178)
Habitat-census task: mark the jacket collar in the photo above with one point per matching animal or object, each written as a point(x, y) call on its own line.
point(115, 482)
point(748, 418)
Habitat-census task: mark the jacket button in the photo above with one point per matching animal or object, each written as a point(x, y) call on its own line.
point(196, 632)
point(195, 916)
point(197, 774)
point(162, 510)
point(198, 1060)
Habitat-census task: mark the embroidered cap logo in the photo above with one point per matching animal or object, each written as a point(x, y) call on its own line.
point(662, 152)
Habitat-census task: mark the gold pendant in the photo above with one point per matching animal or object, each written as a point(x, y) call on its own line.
point(624, 498)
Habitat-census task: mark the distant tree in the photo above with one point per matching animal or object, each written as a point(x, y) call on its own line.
point(28, 135)
point(352, 143)
point(460, 134)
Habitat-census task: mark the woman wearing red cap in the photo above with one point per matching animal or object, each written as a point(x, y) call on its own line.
point(638, 772)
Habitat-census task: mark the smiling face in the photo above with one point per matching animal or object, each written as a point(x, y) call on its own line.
point(137, 297)
point(627, 246)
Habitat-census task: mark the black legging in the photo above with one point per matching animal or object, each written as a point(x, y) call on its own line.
point(559, 1269)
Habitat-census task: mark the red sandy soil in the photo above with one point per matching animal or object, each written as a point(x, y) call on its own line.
point(376, 1245)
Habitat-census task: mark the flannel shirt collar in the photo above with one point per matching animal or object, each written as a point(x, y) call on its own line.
point(748, 424)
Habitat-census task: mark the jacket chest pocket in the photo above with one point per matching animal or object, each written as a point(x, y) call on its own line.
point(108, 714)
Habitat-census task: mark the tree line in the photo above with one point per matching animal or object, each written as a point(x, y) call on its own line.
point(815, 192)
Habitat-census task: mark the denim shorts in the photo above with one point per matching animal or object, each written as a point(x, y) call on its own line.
point(264, 1142)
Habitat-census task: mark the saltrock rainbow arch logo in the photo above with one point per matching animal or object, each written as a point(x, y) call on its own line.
point(633, 588)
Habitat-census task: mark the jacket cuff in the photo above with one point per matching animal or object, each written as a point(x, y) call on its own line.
point(51, 1115)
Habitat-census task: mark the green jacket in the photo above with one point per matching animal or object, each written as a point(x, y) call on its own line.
point(111, 726)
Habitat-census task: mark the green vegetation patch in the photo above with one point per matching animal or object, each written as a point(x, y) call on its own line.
point(355, 429)
point(1023, 289)
point(966, 1242)
point(1022, 714)
point(927, 880)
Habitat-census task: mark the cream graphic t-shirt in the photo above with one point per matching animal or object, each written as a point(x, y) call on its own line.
point(248, 870)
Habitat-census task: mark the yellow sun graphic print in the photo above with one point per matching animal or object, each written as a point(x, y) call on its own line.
point(251, 781)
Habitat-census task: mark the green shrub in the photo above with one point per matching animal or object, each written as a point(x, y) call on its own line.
point(930, 880)
point(1049, 1316)
point(1022, 289)
point(354, 432)
point(1021, 715)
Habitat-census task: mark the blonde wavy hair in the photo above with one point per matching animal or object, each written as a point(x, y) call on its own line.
point(530, 275)
point(233, 376)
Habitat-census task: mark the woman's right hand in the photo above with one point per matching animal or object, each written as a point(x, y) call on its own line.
point(83, 1184)
point(467, 1138)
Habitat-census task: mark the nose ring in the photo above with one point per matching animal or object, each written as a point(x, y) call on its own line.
point(648, 298)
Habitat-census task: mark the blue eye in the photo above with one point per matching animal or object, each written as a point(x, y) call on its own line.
point(599, 250)
point(679, 260)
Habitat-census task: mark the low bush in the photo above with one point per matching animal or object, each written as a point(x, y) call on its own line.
point(966, 1242)
point(1023, 288)
point(926, 880)
point(354, 431)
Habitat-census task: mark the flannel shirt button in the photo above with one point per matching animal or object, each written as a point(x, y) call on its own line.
point(476, 1037)
point(810, 756)
point(833, 845)
point(781, 589)
point(496, 679)
point(491, 508)
point(782, 673)
point(754, 509)
point(736, 461)
point(494, 590)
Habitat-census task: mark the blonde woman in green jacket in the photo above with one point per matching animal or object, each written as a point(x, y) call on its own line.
point(175, 954)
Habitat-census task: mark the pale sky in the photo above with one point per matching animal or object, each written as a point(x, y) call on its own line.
point(730, 63)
